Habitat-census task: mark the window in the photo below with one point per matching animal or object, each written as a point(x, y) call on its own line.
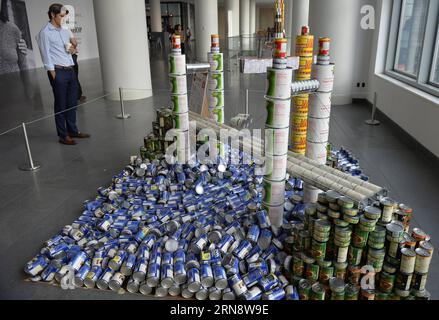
point(434, 79)
point(413, 44)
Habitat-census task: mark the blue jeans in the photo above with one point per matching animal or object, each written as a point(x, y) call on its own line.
point(65, 92)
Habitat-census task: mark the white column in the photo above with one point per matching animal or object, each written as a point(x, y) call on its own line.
point(325, 17)
point(123, 47)
point(231, 10)
point(252, 17)
point(206, 17)
point(289, 24)
point(299, 18)
point(244, 20)
point(258, 17)
point(156, 16)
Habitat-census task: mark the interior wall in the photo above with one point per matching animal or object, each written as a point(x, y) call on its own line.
point(85, 26)
point(266, 17)
point(363, 55)
point(221, 21)
point(413, 110)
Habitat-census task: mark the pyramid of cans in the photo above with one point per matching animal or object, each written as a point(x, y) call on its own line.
point(216, 81)
point(337, 240)
point(278, 101)
point(194, 231)
point(345, 161)
point(299, 114)
point(179, 98)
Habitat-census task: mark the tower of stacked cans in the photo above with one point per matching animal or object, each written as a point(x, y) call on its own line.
point(299, 114)
point(179, 98)
point(346, 253)
point(215, 84)
point(319, 113)
point(278, 100)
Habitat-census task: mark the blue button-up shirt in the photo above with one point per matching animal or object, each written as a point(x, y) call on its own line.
point(52, 43)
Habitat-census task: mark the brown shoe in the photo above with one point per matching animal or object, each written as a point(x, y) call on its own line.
point(80, 135)
point(67, 141)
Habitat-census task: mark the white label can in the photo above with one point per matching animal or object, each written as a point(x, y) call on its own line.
point(216, 61)
point(274, 192)
point(178, 84)
point(278, 113)
point(276, 141)
point(318, 130)
point(276, 167)
point(215, 98)
point(177, 64)
point(279, 83)
point(180, 103)
point(216, 81)
point(320, 105)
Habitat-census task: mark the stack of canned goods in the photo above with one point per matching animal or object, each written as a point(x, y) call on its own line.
point(179, 99)
point(340, 249)
point(216, 82)
point(278, 100)
point(343, 160)
point(154, 144)
point(194, 231)
point(299, 116)
point(324, 58)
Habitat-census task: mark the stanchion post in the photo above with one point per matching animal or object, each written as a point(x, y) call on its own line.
point(246, 101)
point(123, 115)
point(373, 121)
point(31, 166)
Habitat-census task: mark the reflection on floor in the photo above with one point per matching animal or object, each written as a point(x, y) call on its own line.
point(34, 207)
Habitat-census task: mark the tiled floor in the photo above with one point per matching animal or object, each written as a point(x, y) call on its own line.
point(34, 206)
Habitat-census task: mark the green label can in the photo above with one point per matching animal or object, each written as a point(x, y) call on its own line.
point(318, 249)
point(387, 282)
point(354, 255)
point(317, 292)
point(180, 103)
point(216, 81)
point(178, 84)
point(177, 64)
point(215, 98)
point(279, 83)
point(278, 113)
point(217, 114)
point(216, 61)
point(312, 272)
point(304, 289)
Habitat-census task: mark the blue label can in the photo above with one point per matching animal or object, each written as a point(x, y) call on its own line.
point(276, 294)
point(253, 233)
point(253, 294)
point(225, 243)
point(81, 274)
point(243, 249)
point(78, 260)
point(180, 256)
point(93, 276)
point(206, 275)
point(270, 252)
point(291, 293)
point(36, 265)
point(237, 284)
point(253, 277)
point(49, 273)
point(153, 275)
point(264, 221)
point(193, 280)
point(180, 272)
point(128, 266)
point(220, 277)
point(167, 258)
point(269, 282)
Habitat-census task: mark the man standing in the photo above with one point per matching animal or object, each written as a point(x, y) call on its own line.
point(56, 52)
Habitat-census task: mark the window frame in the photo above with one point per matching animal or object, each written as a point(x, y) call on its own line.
point(423, 80)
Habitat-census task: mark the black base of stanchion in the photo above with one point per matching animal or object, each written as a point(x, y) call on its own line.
point(120, 116)
point(372, 122)
point(28, 168)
